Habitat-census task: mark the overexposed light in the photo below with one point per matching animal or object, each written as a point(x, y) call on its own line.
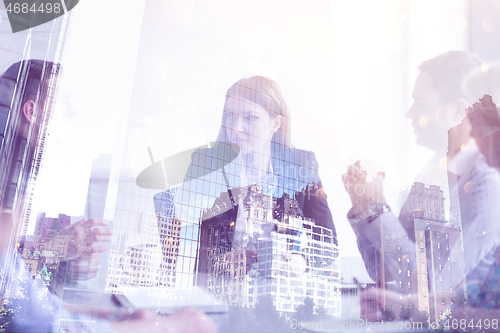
point(485, 67)
point(424, 120)
point(488, 24)
point(443, 163)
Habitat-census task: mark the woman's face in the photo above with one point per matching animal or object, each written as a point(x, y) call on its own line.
point(249, 125)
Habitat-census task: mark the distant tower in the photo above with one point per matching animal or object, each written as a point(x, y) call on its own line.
point(439, 256)
point(98, 186)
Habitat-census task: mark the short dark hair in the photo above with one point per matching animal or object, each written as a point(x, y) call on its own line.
point(37, 74)
point(448, 72)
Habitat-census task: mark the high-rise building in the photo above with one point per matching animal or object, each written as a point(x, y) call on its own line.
point(45, 224)
point(290, 259)
point(438, 258)
point(98, 186)
point(425, 272)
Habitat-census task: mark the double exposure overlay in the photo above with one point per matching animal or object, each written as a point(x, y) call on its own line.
point(250, 166)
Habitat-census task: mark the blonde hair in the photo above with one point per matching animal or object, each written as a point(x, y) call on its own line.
point(264, 92)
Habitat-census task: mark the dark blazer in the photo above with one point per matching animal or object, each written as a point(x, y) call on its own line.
point(296, 172)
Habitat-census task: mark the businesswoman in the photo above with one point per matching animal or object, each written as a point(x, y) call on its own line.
point(257, 120)
point(252, 183)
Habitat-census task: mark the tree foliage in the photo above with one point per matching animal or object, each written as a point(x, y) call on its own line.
point(413, 314)
point(18, 312)
point(388, 314)
point(305, 311)
point(321, 312)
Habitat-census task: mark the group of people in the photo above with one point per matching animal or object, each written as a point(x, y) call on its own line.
point(255, 119)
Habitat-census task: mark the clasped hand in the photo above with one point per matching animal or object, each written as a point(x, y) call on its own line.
point(362, 191)
point(83, 256)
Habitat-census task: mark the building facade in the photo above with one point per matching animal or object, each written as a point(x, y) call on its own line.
point(290, 259)
point(438, 257)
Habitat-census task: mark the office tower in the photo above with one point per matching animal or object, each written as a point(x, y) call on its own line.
point(152, 264)
point(289, 260)
point(95, 206)
point(438, 248)
point(437, 255)
point(169, 228)
point(427, 201)
point(45, 224)
point(98, 186)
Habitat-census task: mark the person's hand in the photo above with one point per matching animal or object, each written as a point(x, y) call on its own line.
point(82, 236)
point(82, 254)
point(485, 121)
point(361, 191)
point(84, 268)
point(187, 320)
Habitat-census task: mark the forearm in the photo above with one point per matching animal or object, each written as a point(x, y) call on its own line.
point(384, 246)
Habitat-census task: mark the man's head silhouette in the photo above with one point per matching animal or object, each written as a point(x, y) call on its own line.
point(26, 89)
point(439, 100)
point(31, 80)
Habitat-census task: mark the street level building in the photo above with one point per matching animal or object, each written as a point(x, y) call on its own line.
point(281, 254)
